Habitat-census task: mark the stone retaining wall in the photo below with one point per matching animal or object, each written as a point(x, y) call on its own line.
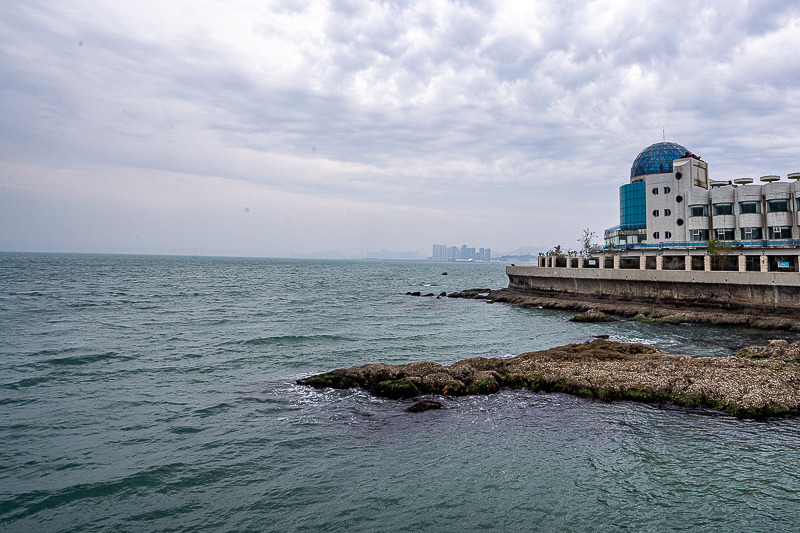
point(729, 290)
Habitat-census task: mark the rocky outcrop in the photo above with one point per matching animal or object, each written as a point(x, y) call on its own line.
point(778, 350)
point(648, 311)
point(601, 369)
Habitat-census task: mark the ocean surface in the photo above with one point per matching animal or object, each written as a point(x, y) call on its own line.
point(142, 393)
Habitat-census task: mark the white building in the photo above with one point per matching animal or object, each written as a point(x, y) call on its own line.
point(671, 204)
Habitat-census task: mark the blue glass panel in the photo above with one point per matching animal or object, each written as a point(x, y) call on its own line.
point(632, 204)
point(657, 159)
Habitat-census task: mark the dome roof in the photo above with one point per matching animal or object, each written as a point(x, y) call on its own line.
point(657, 159)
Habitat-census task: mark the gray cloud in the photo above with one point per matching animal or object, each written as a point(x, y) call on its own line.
point(431, 105)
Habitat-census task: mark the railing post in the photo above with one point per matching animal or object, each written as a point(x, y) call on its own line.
point(580, 261)
point(616, 262)
point(659, 262)
point(602, 260)
point(687, 262)
point(642, 262)
point(742, 263)
point(764, 263)
point(707, 263)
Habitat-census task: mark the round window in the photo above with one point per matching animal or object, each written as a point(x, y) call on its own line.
point(667, 235)
point(680, 222)
point(666, 190)
point(667, 212)
point(679, 199)
point(655, 235)
point(678, 175)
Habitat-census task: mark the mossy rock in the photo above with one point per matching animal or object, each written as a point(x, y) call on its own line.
point(329, 380)
point(487, 386)
point(396, 389)
point(592, 315)
point(663, 320)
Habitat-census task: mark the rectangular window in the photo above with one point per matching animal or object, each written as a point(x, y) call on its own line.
point(699, 234)
point(725, 234)
point(749, 207)
point(777, 206)
point(723, 209)
point(751, 234)
point(780, 232)
point(698, 210)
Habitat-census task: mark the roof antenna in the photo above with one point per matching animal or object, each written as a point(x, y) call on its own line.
point(663, 135)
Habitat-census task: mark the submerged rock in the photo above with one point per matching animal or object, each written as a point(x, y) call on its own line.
point(424, 405)
point(602, 369)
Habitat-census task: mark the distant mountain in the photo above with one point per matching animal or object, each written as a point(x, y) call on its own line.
point(525, 250)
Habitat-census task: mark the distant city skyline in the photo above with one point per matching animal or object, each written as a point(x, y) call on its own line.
point(442, 252)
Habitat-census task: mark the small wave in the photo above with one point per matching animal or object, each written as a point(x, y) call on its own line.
point(213, 410)
point(27, 382)
point(30, 503)
point(292, 339)
point(82, 359)
point(185, 430)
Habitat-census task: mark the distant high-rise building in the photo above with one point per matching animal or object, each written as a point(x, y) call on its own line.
point(442, 252)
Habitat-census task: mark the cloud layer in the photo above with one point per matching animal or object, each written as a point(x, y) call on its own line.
point(271, 128)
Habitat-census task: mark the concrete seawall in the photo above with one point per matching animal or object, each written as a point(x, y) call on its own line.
point(716, 289)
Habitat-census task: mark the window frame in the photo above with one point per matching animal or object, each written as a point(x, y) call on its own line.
point(725, 234)
point(757, 205)
point(755, 234)
point(783, 229)
point(772, 202)
point(704, 210)
point(718, 209)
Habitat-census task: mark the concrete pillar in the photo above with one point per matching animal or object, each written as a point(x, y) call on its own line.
point(764, 264)
point(602, 261)
point(707, 263)
point(687, 262)
point(580, 261)
point(569, 261)
point(742, 263)
point(616, 262)
point(642, 262)
point(659, 262)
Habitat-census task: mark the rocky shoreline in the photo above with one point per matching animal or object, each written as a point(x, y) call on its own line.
point(643, 311)
point(758, 382)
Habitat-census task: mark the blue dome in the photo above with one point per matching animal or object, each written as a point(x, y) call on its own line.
point(657, 159)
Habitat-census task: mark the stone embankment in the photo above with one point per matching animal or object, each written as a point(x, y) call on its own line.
point(645, 312)
point(760, 382)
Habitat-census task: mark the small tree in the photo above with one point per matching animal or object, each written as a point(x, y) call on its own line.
point(585, 242)
point(718, 250)
point(556, 251)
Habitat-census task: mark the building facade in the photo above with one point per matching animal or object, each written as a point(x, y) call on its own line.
point(671, 204)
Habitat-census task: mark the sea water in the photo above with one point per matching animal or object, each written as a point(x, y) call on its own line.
point(144, 393)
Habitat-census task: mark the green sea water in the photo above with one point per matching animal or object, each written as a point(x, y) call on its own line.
point(158, 394)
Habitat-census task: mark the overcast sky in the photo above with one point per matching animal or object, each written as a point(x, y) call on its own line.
point(264, 128)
